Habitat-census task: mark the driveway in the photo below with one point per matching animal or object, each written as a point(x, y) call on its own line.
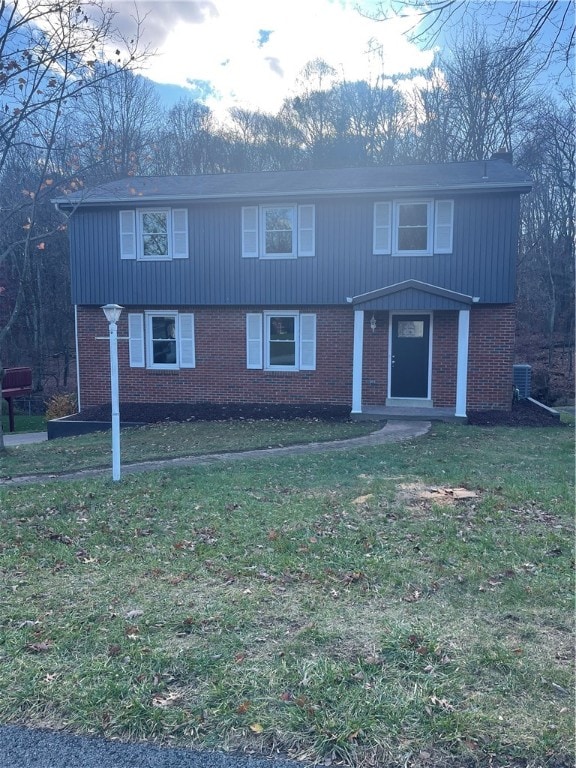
point(31, 748)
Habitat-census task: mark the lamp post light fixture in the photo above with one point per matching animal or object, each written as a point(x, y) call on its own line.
point(112, 312)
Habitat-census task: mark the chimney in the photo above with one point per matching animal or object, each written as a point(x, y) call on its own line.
point(502, 154)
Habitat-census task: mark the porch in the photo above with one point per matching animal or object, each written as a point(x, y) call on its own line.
point(404, 413)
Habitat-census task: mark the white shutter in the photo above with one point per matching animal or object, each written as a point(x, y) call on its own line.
point(382, 228)
point(127, 234)
point(307, 342)
point(253, 340)
point(186, 340)
point(306, 216)
point(136, 340)
point(250, 232)
point(180, 233)
point(443, 218)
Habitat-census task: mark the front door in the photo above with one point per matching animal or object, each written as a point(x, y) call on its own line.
point(410, 355)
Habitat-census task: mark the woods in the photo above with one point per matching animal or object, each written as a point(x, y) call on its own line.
point(75, 113)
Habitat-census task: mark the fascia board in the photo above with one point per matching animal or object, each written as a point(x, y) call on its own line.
point(74, 202)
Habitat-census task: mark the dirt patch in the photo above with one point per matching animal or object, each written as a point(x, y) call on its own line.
point(416, 494)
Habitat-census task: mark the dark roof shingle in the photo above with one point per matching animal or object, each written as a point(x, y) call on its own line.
point(445, 177)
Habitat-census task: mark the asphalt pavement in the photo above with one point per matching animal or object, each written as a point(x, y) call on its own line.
point(34, 748)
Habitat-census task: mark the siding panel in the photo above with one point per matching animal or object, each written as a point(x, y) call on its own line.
point(482, 262)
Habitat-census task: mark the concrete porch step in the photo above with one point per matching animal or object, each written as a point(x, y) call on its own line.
point(390, 413)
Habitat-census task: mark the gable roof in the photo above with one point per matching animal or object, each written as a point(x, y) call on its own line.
point(440, 178)
point(395, 297)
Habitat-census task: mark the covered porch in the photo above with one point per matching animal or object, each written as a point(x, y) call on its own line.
point(413, 370)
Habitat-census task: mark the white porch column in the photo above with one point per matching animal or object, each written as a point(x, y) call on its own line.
point(357, 361)
point(462, 364)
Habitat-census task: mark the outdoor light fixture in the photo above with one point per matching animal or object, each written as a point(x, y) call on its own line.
point(373, 322)
point(112, 312)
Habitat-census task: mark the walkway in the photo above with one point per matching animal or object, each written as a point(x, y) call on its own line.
point(391, 432)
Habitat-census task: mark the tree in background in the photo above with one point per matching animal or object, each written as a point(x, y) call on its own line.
point(524, 26)
point(51, 55)
point(546, 282)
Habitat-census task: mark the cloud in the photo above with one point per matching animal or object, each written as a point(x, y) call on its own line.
point(159, 17)
point(274, 65)
point(266, 44)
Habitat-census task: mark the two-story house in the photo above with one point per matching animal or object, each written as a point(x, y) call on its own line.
point(361, 287)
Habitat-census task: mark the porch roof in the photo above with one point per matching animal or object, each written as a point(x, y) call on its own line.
point(412, 295)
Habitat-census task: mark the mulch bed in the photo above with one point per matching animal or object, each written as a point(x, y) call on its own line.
point(523, 413)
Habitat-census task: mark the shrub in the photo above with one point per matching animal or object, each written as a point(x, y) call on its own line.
point(61, 405)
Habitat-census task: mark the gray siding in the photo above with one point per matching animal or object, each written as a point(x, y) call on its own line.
point(482, 263)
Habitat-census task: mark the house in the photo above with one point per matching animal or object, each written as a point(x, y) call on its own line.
point(367, 288)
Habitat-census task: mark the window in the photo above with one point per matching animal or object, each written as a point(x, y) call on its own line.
point(281, 341)
point(412, 231)
point(154, 234)
point(413, 228)
point(162, 340)
point(277, 231)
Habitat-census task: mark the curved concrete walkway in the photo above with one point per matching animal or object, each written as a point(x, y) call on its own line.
point(391, 432)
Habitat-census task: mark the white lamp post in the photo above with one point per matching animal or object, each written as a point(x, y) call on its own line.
point(112, 312)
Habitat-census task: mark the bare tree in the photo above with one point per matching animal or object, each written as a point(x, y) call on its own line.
point(546, 270)
point(472, 103)
point(51, 54)
point(118, 121)
point(547, 26)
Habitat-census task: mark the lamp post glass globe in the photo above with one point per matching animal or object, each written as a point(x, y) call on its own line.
point(112, 312)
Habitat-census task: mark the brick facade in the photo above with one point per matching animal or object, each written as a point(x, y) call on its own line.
point(221, 375)
point(491, 357)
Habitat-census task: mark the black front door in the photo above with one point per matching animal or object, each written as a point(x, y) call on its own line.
point(410, 356)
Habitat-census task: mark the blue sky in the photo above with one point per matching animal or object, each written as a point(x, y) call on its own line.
point(251, 53)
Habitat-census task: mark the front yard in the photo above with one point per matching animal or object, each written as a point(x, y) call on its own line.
point(402, 605)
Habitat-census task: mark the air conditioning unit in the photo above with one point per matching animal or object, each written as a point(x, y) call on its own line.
point(522, 377)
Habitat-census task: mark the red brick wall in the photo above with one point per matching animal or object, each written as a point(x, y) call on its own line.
point(491, 356)
point(375, 360)
point(221, 375)
point(444, 358)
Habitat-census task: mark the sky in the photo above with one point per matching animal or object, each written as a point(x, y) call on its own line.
point(251, 53)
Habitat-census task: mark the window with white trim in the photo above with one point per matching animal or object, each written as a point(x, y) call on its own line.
point(413, 227)
point(154, 234)
point(161, 340)
point(281, 341)
point(284, 231)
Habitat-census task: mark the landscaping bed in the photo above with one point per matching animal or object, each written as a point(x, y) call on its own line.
point(524, 413)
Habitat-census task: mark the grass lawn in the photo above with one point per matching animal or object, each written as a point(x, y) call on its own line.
point(170, 440)
point(24, 422)
point(335, 607)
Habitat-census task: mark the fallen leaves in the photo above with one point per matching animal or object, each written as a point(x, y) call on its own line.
point(40, 647)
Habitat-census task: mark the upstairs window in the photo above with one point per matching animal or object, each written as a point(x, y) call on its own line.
point(413, 228)
point(154, 234)
point(278, 231)
point(413, 232)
